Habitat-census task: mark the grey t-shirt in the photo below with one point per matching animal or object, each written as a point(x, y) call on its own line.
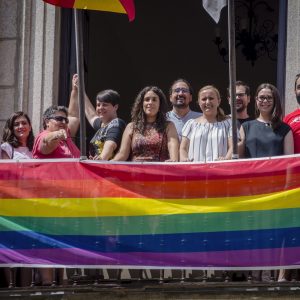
point(179, 122)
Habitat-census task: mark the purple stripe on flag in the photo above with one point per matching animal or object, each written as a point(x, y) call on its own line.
point(77, 257)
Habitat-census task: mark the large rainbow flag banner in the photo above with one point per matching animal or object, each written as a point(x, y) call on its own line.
point(225, 215)
point(117, 6)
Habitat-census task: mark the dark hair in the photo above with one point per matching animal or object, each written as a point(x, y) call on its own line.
point(296, 78)
point(108, 96)
point(220, 112)
point(276, 119)
point(240, 83)
point(181, 80)
point(138, 115)
point(9, 135)
point(50, 111)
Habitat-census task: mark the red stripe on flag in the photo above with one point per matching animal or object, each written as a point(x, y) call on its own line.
point(129, 8)
point(61, 3)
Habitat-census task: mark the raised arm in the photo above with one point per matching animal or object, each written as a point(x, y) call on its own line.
point(125, 148)
point(173, 143)
point(73, 109)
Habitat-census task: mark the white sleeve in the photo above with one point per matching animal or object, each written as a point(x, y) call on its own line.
point(7, 148)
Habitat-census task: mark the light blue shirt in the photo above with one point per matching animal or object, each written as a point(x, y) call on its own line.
point(180, 121)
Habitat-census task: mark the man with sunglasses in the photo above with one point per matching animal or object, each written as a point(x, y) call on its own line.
point(60, 124)
point(181, 94)
point(293, 119)
point(242, 101)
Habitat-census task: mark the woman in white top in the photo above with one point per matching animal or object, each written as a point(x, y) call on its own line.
point(208, 137)
point(17, 140)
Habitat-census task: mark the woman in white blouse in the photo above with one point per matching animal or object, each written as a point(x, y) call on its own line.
point(17, 140)
point(208, 137)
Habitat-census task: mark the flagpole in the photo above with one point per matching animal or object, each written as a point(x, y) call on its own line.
point(80, 72)
point(232, 76)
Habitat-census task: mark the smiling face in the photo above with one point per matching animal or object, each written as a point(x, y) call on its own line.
point(265, 101)
point(209, 102)
point(53, 123)
point(106, 111)
point(151, 105)
point(181, 95)
point(21, 128)
point(242, 99)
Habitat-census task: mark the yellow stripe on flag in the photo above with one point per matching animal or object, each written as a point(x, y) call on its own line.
point(87, 207)
point(104, 5)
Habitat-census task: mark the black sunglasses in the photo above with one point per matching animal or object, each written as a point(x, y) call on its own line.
point(60, 119)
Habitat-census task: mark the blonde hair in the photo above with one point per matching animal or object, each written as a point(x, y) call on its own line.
point(220, 112)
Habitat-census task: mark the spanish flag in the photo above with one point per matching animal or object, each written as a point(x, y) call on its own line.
point(117, 6)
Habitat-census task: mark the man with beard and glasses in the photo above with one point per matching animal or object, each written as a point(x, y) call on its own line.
point(242, 100)
point(181, 94)
point(293, 119)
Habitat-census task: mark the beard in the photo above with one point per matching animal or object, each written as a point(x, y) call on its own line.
point(180, 105)
point(298, 99)
point(242, 108)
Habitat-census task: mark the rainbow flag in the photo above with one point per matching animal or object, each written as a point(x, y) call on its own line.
point(117, 6)
point(224, 215)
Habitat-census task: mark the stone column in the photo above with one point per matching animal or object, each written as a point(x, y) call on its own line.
point(9, 40)
point(29, 58)
point(292, 53)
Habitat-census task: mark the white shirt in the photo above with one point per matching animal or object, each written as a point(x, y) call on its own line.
point(208, 141)
point(17, 153)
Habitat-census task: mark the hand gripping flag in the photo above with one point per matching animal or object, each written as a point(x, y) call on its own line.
point(117, 6)
point(214, 7)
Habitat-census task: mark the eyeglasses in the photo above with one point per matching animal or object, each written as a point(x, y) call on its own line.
point(263, 98)
point(60, 119)
point(240, 95)
point(178, 90)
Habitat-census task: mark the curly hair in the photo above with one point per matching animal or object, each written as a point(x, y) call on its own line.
point(220, 112)
point(276, 117)
point(138, 115)
point(9, 135)
point(50, 111)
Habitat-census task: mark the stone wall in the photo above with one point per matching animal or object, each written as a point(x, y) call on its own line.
point(29, 58)
point(292, 53)
point(9, 55)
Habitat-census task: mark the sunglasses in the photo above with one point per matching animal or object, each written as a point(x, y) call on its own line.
point(60, 119)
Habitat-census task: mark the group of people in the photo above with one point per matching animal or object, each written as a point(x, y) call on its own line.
point(156, 134)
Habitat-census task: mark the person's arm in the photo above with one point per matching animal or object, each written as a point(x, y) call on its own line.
point(125, 148)
point(73, 109)
point(173, 143)
point(4, 155)
point(184, 149)
point(241, 143)
point(51, 140)
point(229, 149)
point(107, 151)
point(288, 143)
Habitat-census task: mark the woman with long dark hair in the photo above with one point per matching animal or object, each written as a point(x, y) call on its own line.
point(149, 137)
point(17, 139)
point(267, 135)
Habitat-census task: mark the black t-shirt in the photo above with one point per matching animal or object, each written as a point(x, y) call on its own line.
point(262, 141)
point(111, 132)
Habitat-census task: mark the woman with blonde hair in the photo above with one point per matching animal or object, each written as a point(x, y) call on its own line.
point(208, 137)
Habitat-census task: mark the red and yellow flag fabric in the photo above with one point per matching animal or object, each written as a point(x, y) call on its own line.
point(117, 6)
